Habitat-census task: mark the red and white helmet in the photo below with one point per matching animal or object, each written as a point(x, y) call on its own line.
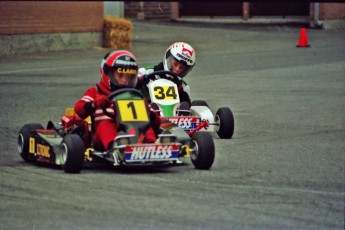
point(120, 61)
point(184, 53)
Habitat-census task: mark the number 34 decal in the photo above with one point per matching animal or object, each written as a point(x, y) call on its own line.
point(165, 92)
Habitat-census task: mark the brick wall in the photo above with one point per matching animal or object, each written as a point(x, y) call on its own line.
point(329, 11)
point(152, 10)
point(32, 17)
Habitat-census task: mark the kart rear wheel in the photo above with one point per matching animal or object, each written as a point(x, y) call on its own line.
point(226, 123)
point(24, 139)
point(72, 153)
point(203, 150)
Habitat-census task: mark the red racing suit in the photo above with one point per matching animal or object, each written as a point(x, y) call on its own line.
point(105, 128)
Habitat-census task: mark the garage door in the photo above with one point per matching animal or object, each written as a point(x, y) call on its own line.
point(235, 9)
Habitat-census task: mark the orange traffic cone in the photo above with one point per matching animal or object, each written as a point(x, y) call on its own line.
point(303, 39)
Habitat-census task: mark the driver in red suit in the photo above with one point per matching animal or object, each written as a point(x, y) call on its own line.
point(118, 70)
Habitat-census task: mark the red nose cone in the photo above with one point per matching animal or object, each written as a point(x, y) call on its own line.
point(132, 132)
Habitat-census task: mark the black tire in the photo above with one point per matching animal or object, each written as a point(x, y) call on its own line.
point(200, 103)
point(184, 109)
point(203, 152)
point(23, 139)
point(72, 153)
point(225, 118)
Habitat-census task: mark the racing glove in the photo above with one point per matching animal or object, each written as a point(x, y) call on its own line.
point(101, 101)
point(145, 80)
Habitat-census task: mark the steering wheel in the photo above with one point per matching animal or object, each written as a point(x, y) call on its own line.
point(118, 92)
point(124, 90)
point(164, 74)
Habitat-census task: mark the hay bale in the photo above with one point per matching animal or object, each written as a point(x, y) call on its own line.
point(117, 33)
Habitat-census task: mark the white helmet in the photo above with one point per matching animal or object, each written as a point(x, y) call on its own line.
point(182, 52)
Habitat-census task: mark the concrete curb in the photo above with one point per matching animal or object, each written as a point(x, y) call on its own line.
point(290, 21)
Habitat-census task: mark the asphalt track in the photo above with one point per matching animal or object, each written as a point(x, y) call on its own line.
point(283, 169)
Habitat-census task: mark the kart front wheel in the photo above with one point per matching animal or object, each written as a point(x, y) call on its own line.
point(226, 123)
point(24, 139)
point(72, 153)
point(203, 150)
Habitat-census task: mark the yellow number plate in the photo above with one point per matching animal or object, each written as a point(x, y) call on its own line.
point(165, 92)
point(132, 110)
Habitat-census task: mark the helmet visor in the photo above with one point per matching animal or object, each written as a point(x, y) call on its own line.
point(178, 67)
point(125, 77)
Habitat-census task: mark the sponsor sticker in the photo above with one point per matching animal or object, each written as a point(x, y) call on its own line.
point(43, 150)
point(39, 149)
point(186, 123)
point(151, 152)
point(32, 145)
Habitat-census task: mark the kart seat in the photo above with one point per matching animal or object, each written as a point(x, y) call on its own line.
point(83, 127)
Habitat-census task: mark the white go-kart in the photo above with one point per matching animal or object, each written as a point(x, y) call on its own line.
point(163, 95)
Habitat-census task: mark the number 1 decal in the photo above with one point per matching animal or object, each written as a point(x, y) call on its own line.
point(131, 105)
point(132, 110)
